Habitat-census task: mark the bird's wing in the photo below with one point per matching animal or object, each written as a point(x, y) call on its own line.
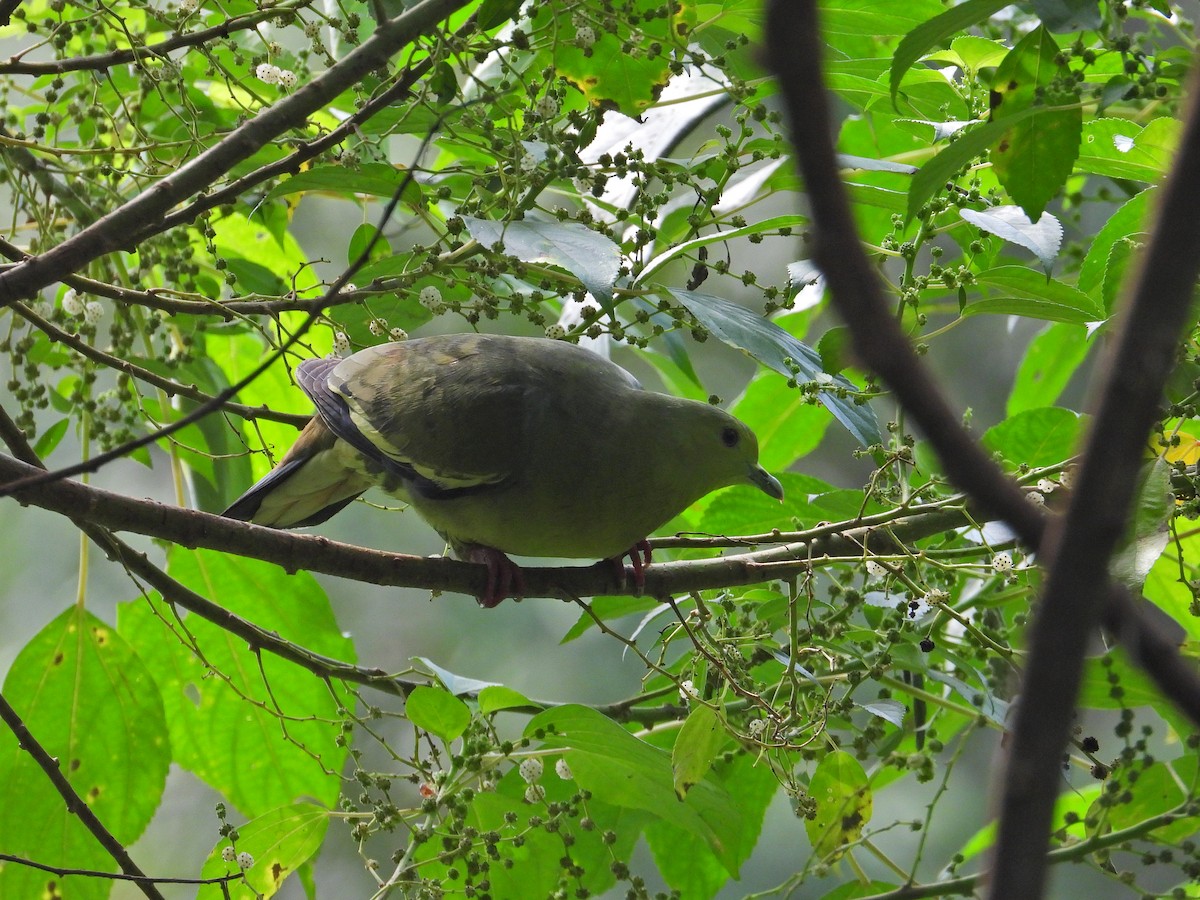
point(444, 417)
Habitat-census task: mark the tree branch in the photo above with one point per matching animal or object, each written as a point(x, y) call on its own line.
point(1078, 548)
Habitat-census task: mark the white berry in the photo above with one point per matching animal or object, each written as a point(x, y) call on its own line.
point(556, 332)
point(377, 327)
point(398, 334)
point(245, 860)
point(585, 36)
point(228, 854)
point(93, 311)
point(547, 106)
point(341, 343)
point(71, 303)
point(530, 769)
point(535, 793)
point(563, 770)
point(267, 73)
point(287, 79)
point(430, 298)
point(1002, 562)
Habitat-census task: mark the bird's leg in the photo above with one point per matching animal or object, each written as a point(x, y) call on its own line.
point(504, 575)
point(639, 557)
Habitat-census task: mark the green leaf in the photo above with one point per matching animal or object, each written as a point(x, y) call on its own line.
point(1036, 437)
point(496, 12)
point(969, 145)
point(367, 235)
point(370, 179)
point(1159, 788)
point(588, 255)
point(498, 697)
point(842, 794)
point(1147, 534)
point(229, 732)
point(438, 711)
point(700, 739)
point(1047, 366)
point(92, 703)
point(1068, 15)
point(625, 772)
point(50, 438)
point(1120, 148)
point(1128, 222)
point(686, 863)
point(765, 341)
point(281, 840)
point(606, 73)
point(1027, 292)
point(1034, 158)
point(929, 34)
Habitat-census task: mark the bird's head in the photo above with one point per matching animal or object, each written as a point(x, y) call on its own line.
point(720, 450)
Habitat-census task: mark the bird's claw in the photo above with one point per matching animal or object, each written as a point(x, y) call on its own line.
point(504, 577)
point(639, 558)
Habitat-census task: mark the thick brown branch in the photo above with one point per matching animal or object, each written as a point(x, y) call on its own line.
point(1077, 551)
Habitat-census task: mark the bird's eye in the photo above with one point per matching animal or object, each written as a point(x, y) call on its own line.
point(730, 437)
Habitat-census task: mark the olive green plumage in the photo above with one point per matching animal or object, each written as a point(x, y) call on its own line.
point(523, 445)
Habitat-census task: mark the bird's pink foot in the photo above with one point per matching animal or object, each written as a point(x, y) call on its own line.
point(639, 557)
point(504, 577)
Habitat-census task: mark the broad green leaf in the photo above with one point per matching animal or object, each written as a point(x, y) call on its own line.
point(842, 793)
point(968, 146)
point(1036, 437)
point(927, 35)
point(88, 699)
point(1128, 222)
point(1042, 297)
point(625, 772)
point(1034, 157)
point(1164, 589)
point(1120, 148)
point(367, 237)
point(228, 732)
point(1068, 15)
point(771, 345)
point(437, 711)
point(369, 179)
point(1047, 366)
point(265, 258)
point(50, 438)
point(588, 255)
point(870, 18)
point(1147, 534)
point(696, 746)
point(281, 840)
point(497, 697)
point(607, 609)
point(1158, 789)
point(687, 864)
point(751, 512)
point(606, 73)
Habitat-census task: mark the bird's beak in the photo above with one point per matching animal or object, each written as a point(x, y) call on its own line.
point(765, 482)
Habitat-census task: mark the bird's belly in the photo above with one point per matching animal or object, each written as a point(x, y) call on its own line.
point(580, 527)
